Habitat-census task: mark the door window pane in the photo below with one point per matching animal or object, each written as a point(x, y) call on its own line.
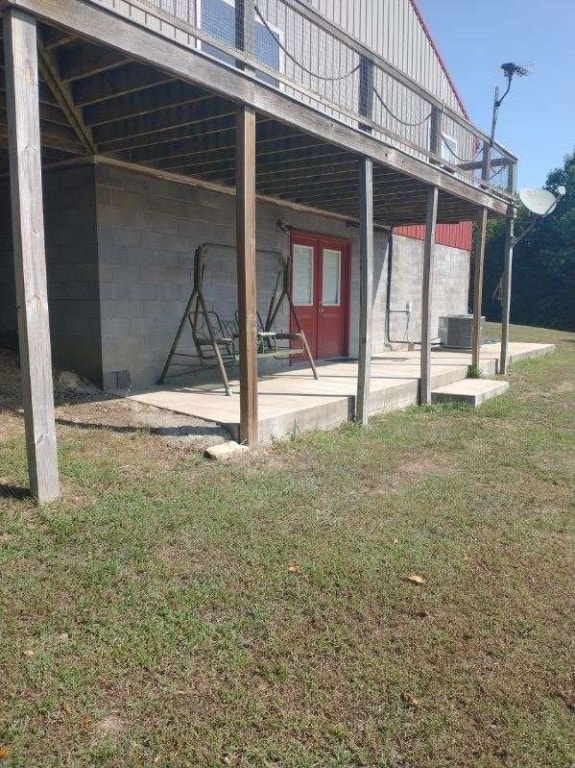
point(302, 271)
point(331, 278)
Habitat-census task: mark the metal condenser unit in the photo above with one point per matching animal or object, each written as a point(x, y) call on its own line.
point(456, 331)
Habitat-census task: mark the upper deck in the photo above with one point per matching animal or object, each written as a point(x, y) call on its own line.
point(155, 83)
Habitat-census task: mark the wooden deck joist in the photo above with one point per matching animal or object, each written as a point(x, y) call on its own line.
point(155, 123)
point(81, 60)
point(188, 70)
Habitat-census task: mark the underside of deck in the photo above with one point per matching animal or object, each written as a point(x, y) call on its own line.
point(114, 93)
point(291, 401)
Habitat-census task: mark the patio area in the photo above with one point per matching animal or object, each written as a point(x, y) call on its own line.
point(291, 401)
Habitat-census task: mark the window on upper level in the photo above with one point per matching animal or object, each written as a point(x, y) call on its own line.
point(448, 149)
point(218, 18)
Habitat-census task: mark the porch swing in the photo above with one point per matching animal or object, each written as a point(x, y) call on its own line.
point(216, 338)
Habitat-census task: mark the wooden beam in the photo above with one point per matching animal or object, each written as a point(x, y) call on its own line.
point(435, 132)
point(342, 168)
point(53, 38)
point(63, 97)
point(193, 127)
point(51, 113)
point(46, 95)
point(320, 154)
point(141, 44)
point(52, 136)
point(203, 145)
point(365, 288)
point(129, 78)
point(155, 123)
point(132, 105)
point(426, 296)
point(204, 165)
point(478, 288)
point(407, 192)
point(338, 165)
point(246, 272)
point(366, 86)
point(506, 289)
point(85, 60)
point(477, 165)
point(29, 252)
point(245, 37)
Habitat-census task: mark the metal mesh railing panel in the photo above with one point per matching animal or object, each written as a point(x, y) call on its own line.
point(283, 44)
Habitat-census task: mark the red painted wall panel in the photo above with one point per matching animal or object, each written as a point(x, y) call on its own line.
point(455, 235)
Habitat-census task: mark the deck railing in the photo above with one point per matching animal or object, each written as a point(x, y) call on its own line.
point(289, 46)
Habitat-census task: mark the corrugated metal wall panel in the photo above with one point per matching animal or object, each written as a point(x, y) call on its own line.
point(396, 33)
point(455, 235)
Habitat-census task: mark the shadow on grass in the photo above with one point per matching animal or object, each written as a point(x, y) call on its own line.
point(8, 491)
point(183, 431)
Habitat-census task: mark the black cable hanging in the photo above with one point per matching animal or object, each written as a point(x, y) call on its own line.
point(327, 78)
point(395, 117)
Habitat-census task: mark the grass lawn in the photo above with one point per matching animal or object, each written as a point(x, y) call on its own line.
point(168, 611)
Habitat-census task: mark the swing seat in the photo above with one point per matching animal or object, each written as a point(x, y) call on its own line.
point(216, 339)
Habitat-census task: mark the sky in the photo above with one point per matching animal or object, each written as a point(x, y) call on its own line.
point(537, 119)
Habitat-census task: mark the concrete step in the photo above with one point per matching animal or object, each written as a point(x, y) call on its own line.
point(470, 391)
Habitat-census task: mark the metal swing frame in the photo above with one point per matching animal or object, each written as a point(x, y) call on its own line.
point(216, 339)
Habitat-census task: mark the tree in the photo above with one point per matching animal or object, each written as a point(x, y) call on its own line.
point(543, 287)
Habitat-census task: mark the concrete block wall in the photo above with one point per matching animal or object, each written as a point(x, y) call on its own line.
point(72, 270)
point(148, 230)
point(8, 321)
point(450, 286)
point(120, 252)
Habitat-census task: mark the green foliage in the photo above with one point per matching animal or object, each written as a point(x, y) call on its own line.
point(543, 263)
point(474, 372)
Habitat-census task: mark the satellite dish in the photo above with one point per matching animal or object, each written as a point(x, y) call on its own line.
point(541, 202)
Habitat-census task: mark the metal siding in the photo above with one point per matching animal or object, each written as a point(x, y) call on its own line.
point(396, 34)
point(454, 235)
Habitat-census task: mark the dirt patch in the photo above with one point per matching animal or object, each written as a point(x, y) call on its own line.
point(565, 386)
point(87, 407)
point(110, 726)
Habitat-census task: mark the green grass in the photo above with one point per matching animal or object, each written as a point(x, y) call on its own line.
point(173, 612)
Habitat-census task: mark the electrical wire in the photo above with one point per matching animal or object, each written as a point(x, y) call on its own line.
point(497, 172)
point(466, 160)
point(292, 58)
point(395, 117)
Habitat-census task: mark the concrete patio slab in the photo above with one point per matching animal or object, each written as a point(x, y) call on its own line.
point(292, 401)
point(470, 391)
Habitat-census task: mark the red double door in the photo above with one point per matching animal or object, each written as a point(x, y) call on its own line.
point(320, 291)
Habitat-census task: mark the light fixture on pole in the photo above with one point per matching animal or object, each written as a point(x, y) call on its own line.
point(510, 70)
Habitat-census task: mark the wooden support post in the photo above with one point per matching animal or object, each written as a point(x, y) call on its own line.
point(245, 29)
point(486, 163)
point(511, 176)
point(365, 106)
point(246, 255)
point(20, 40)
point(506, 290)
point(435, 131)
point(426, 295)
point(478, 288)
point(365, 288)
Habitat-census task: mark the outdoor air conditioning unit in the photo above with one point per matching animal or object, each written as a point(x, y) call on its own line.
point(455, 331)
